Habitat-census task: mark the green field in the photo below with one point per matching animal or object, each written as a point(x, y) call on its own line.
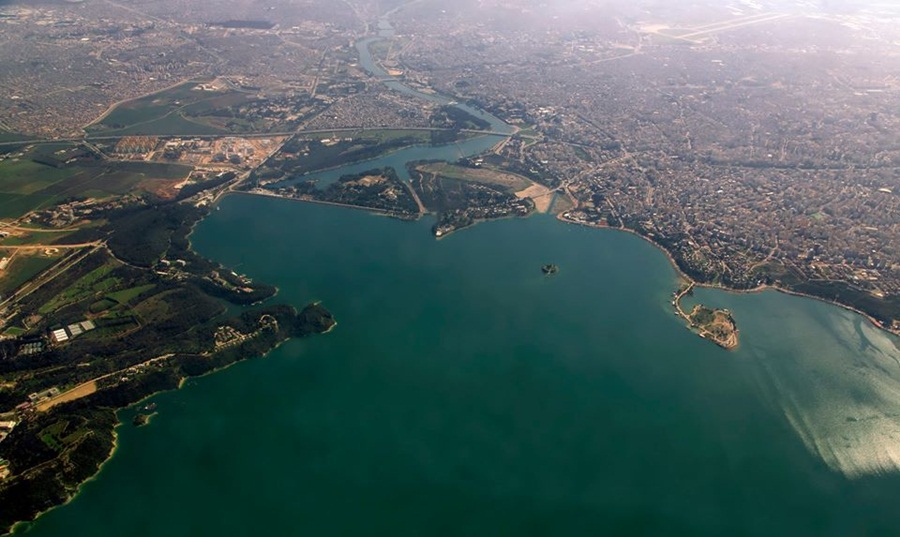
point(6, 136)
point(388, 135)
point(504, 180)
point(102, 305)
point(149, 107)
point(91, 283)
point(23, 177)
point(27, 185)
point(127, 295)
point(23, 268)
point(169, 124)
point(181, 110)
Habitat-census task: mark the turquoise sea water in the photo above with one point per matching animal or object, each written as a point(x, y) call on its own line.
point(464, 393)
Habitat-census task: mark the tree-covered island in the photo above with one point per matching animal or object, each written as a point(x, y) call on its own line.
point(716, 325)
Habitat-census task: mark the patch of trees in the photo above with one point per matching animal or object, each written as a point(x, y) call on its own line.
point(180, 316)
point(320, 156)
point(454, 118)
point(390, 195)
point(140, 235)
point(193, 189)
point(258, 292)
point(884, 310)
point(24, 496)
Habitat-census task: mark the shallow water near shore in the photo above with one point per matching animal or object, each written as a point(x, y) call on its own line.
point(465, 393)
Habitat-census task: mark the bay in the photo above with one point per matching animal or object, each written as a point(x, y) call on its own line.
point(465, 393)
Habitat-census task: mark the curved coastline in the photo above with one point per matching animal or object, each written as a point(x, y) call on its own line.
point(720, 287)
point(24, 524)
point(681, 274)
point(373, 70)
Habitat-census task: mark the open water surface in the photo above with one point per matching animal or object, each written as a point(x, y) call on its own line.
point(465, 393)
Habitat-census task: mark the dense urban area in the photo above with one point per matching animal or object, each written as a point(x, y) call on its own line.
point(754, 141)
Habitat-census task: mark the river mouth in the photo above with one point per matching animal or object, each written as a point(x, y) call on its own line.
point(464, 390)
point(399, 159)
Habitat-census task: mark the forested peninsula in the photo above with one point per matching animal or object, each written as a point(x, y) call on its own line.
point(134, 314)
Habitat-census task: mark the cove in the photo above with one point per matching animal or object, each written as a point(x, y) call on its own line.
point(464, 392)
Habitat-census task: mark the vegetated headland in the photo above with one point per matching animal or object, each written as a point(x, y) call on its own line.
point(104, 302)
point(130, 312)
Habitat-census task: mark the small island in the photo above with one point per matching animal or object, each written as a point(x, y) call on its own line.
point(716, 325)
point(142, 419)
point(549, 269)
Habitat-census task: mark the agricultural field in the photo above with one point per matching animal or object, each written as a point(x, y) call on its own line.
point(127, 295)
point(181, 110)
point(24, 267)
point(43, 176)
point(6, 136)
point(504, 180)
point(92, 284)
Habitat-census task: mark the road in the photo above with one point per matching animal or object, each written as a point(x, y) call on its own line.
point(48, 275)
point(113, 138)
point(87, 388)
point(677, 301)
point(26, 247)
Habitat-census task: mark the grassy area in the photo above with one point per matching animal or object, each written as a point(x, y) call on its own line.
point(123, 323)
point(379, 49)
point(561, 203)
point(582, 154)
point(91, 283)
point(24, 176)
point(127, 295)
point(217, 101)
point(487, 176)
point(27, 185)
point(170, 124)
point(23, 268)
point(387, 135)
point(34, 239)
point(154, 308)
point(6, 136)
point(181, 110)
point(52, 435)
point(149, 107)
point(671, 39)
point(102, 305)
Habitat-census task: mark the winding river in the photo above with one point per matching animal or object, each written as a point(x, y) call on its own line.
point(398, 159)
point(465, 393)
